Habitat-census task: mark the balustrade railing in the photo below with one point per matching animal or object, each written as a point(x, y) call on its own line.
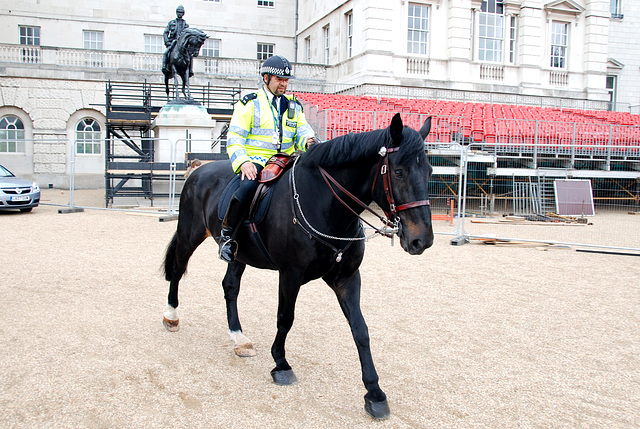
point(557, 78)
point(418, 66)
point(309, 77)
point(491, 72)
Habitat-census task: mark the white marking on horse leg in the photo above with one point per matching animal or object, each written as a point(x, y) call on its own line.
point(242, 345)
point(171, 320)
point(171, 313)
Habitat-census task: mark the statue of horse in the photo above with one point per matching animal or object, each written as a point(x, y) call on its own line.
point(179, 62)
point(313, 229)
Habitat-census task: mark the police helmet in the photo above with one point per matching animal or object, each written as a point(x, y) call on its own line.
point(277, 65)
point(180, 9)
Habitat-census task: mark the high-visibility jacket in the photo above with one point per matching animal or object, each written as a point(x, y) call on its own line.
point(252, 129)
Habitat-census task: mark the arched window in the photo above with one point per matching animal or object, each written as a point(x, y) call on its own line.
point(88, 136)
point(11, 135)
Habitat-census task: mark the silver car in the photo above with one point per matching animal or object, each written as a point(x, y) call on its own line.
point(17, 193)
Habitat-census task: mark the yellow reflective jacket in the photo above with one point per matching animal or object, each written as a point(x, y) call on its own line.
point(252, 129)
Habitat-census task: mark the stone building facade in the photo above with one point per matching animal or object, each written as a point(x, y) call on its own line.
point(55, 58)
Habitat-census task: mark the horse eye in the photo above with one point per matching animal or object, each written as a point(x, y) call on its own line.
point(399, 173)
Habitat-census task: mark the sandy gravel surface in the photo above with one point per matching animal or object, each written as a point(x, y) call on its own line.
point(462, 336)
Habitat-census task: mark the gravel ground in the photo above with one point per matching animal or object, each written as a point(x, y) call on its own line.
point(462, 336)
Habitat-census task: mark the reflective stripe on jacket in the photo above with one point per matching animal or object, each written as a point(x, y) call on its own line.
point(252, 127)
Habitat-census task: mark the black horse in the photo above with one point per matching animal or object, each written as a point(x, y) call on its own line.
point(313, 229)
point(179, 61)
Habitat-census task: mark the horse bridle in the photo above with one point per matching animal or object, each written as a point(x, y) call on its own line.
point(383, 170)
point(392, 220)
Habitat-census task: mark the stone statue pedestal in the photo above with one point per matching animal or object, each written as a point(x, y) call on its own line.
point(187, 125)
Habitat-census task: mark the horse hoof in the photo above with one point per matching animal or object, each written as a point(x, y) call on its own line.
point(284, 378)
point(377, 410)
point(245, 350)
point(171, 325)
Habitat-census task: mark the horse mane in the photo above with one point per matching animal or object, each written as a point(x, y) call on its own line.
point(191, 33)
point(355, 147)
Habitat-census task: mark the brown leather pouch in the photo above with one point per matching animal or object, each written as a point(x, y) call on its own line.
point(274, 167)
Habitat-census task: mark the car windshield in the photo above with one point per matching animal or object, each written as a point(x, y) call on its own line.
point(4, 172)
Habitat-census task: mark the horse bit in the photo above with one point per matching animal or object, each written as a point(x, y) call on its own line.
point(391, 221)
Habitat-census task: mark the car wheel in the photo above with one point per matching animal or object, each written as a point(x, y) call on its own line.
point(27, 210)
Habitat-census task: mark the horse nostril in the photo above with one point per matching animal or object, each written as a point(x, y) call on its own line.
point(417, 244)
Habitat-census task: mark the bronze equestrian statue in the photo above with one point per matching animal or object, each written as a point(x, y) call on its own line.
point(183, 43)
point(174, 29)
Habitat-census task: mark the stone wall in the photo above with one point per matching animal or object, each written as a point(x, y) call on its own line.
point(49, 107)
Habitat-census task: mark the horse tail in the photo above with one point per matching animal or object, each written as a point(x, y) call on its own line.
point(170, 258)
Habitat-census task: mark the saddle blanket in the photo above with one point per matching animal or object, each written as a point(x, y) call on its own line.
point(259, 213)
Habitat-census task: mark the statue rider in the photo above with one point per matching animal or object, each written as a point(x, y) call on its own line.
point(175, 27)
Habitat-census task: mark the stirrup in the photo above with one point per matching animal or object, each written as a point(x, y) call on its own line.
point(228, 249)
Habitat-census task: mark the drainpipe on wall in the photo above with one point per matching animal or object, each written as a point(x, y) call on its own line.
point(295, 36)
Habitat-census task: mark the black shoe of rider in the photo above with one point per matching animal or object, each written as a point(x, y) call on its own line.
point(228, 249)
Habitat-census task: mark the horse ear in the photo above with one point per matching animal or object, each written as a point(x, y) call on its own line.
point(395, 129)
point(426, 127)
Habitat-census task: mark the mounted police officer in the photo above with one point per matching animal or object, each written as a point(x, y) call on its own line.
point(264, 123)
point(175, 27)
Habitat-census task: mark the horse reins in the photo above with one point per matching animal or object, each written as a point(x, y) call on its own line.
point(392, 219)
point(329, 180)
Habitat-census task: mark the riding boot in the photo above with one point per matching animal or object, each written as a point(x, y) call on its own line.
point(233, 217)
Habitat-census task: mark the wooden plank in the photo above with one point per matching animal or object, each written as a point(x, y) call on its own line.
point(154, 172)
point(515, 243)
point(607, 252)
point(524, 222)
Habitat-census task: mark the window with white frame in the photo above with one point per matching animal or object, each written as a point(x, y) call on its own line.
point(88, 137)
point(417, 29)
point(211, 50)
point(11, 135)
point(559, 44)
point(29, 38)
point(512, 39)
point(326, 44)
point(29, 35)
point(266, 3)
point(349, 18)
point(615, 7)
point(491, 31)
point(265, 50)
point(307, 48)
point(611, 89)
point(153, 44)
point(93, 40)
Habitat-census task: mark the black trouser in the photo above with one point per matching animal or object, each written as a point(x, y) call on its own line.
point(248, 187)
point(236, 211)
point(239, 203)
